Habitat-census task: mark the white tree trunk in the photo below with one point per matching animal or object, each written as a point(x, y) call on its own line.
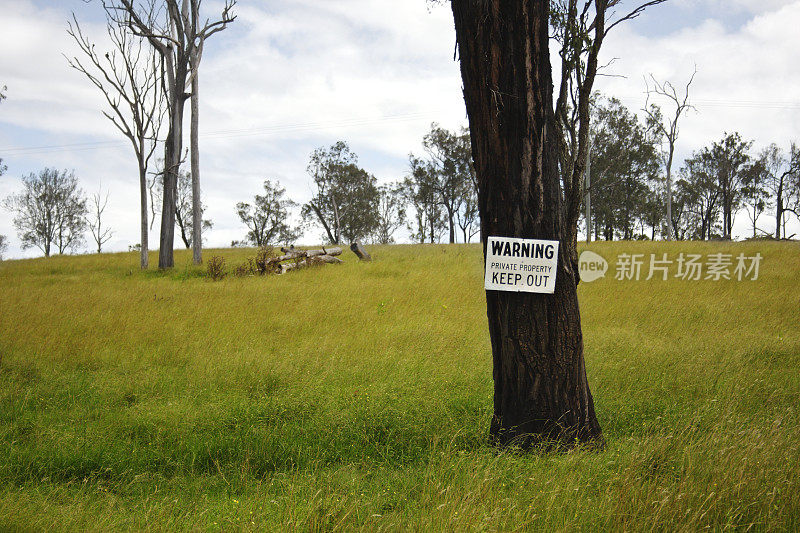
point(197, 211)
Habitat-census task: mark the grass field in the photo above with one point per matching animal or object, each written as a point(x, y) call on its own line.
point(358, 397)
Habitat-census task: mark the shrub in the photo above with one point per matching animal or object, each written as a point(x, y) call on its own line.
point(244, 269)
point(216, 268)
point(262, 265)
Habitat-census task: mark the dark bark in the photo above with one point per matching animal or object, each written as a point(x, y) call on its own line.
point(318, 212)
point(541, 392)
point(184, 237)
point(450, 221)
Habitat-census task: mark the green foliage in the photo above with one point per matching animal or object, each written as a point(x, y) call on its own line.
point(50, 211)
point(781, 183)
point(345, 202)
point(215, 268)
point(359, 398)
point(258, 265)
point(261, 262)
point(442, 187)
point(243, 269)
point(428, 223)
point(624, 173)
point(713, 183)
point(267, 220)
point(391, 213)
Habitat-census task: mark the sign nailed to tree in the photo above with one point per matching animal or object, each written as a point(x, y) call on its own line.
point(521, 265)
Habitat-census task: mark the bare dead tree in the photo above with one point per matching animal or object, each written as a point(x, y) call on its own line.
point(128, 78)
point(194, 149)
point(175, 30)
point(100, 234)
point(579, 28)
point(667, 127)
point(3, 167)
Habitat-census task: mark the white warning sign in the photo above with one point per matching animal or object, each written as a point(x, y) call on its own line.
point(521, 265)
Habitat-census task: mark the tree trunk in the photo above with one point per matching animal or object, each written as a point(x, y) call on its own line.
point(321, 218)
point(669, 190)
point(778, 211)
point(173, 146)
point(185, 238)
point(588, 198)
point(541, 392)
point(143, 256)
point(452, 225)
point(171, 160)
point(197, 209)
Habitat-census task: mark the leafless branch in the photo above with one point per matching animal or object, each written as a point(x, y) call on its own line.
point(99, 234)
point(633, 14)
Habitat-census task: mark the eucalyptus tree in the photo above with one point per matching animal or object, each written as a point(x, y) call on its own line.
point(755, 195)
point(732, 164)
point(177, 31)
point(624, 163)
point(781, 174)
point(449, 168)
point(184, 205)
point(185, 215)
point(391, 213)
point(667, 127)
point(345, 199)
point(419, 188)
point(50, 211)
point(2, 97)
point(698, 195)
point(267, 218)
point(528, 188)
point(128, 77)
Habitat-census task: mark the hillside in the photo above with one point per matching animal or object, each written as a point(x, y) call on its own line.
point(358, 396)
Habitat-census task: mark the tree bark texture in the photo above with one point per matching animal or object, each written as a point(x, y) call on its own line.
point(779, 210)
point(670, 224)
point(541, 392)
point(173, 146)
point(197, 209)
point(143, 255)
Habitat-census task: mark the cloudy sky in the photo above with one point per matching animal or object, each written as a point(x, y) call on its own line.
point(288, 77)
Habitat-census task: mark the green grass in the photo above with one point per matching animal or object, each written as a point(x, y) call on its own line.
point(358, 397)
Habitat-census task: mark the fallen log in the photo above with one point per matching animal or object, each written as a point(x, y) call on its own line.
point(286, 267)
point(324, 259)
point(309, 261)
point(291, 253)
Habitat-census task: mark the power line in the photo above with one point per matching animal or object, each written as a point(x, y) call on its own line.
point(221, 134)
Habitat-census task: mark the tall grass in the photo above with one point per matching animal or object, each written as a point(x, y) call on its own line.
point(358, 396)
